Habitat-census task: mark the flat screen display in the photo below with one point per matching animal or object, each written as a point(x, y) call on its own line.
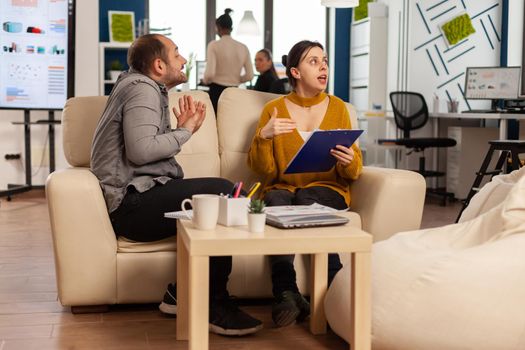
point(485, 83)
point(200, 68)
point(36, 53)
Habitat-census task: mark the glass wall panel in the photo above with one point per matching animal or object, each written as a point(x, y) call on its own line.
point(253, 42)
point(296, 20)
point(187, 25)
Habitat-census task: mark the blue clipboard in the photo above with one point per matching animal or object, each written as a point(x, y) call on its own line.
point(314, 155)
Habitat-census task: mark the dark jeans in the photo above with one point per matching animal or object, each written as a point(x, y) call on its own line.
point(140, 217)
point(283, 272)
point(215, 92)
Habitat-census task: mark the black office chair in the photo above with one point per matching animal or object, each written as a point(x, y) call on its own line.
point(411, 113)
point(281, 86)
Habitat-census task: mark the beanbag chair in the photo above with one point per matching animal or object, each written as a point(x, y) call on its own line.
point(459, 286)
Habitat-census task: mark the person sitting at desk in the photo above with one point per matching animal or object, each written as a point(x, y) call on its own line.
point(285, 124)
point(264, 65)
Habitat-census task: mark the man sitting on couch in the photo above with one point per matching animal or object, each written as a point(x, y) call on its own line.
point(133, 157)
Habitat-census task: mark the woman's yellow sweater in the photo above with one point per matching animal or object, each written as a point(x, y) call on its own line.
point(270, 157)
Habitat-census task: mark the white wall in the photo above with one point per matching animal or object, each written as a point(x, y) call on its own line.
point(419, 63)
point(86, 83)
point(420, 60)
point(515, 32)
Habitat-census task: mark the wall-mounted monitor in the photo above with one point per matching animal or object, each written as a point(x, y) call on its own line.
point(36, 53)
point(200, 67)
point(280, 69)
point(487, 83)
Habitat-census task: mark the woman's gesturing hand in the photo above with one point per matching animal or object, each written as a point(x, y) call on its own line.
point(277, 126)
point(344, 155)
point(191, 113)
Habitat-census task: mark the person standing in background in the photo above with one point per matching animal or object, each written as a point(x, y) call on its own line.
point(264, 65)
point(225, 60)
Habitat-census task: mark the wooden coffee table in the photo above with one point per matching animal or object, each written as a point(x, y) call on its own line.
point(194, 248)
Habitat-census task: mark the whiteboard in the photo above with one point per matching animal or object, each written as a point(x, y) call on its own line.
point(35, 57)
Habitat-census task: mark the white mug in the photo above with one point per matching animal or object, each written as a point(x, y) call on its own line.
point(205, 210)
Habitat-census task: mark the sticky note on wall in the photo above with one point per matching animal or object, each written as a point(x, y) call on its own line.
point(457, 29)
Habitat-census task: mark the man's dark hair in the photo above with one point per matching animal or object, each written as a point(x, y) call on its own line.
point(296, 55)
point(224, 21)
point(144, 51)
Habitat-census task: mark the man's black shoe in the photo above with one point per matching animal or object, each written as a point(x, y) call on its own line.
point(169, 302)
point(227, 319)
point(289, 306)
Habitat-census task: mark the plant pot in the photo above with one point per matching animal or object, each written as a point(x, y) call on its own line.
point(113, 74)
point(256, 222)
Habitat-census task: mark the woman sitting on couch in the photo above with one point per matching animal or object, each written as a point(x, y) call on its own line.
point(285, 124)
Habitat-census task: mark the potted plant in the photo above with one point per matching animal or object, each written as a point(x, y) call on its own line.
point(115, 68)
point(189, 66)
point(256, 215)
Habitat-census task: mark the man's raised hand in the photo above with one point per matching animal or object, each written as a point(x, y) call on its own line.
point(191, 113)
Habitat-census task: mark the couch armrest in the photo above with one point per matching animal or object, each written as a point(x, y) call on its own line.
point(84, 242)
point(388, 200)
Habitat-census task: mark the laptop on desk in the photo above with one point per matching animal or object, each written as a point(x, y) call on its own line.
point(302, 221)
point(300, 216)
point(481, 111)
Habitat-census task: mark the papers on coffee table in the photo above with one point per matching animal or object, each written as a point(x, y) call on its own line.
point(298, 216)
point(294, 210)
point(188, 215)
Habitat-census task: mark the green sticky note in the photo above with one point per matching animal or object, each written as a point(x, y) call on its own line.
point(122, 27)
point(361, 11)
point(458, 29)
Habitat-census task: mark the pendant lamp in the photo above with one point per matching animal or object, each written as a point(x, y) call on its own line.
point(248, 25)
point(340, 3)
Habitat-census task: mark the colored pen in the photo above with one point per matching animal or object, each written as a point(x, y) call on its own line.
point(253, 189)
point(238, 191)
point(234, 189)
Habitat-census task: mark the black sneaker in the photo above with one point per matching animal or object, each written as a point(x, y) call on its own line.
point(169, 302)
point(303, 305)
point(227, 319)
point(289, 306)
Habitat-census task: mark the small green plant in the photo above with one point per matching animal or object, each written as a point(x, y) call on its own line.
point(256, 206)
point(189, 64)
point(116, 65)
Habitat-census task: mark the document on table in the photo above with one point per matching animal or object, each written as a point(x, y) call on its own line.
point(188, 215)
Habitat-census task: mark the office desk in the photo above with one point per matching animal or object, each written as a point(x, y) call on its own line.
point(436, 117)
point(27, 123)
point(502, 117)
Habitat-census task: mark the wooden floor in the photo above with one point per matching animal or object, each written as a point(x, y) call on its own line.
point(32, 318)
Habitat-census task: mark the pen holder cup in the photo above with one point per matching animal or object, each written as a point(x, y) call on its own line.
point(233, 211)
point(452, 106)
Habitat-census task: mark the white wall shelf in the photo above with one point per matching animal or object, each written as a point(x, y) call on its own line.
point(103, 47)
point(368, 75)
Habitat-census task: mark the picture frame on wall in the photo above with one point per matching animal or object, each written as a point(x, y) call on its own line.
point(121, 26)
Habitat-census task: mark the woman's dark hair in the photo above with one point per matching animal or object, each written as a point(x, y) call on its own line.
point(268, 54)
point(144, 51)
point(296, 55)
point(225, 21)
